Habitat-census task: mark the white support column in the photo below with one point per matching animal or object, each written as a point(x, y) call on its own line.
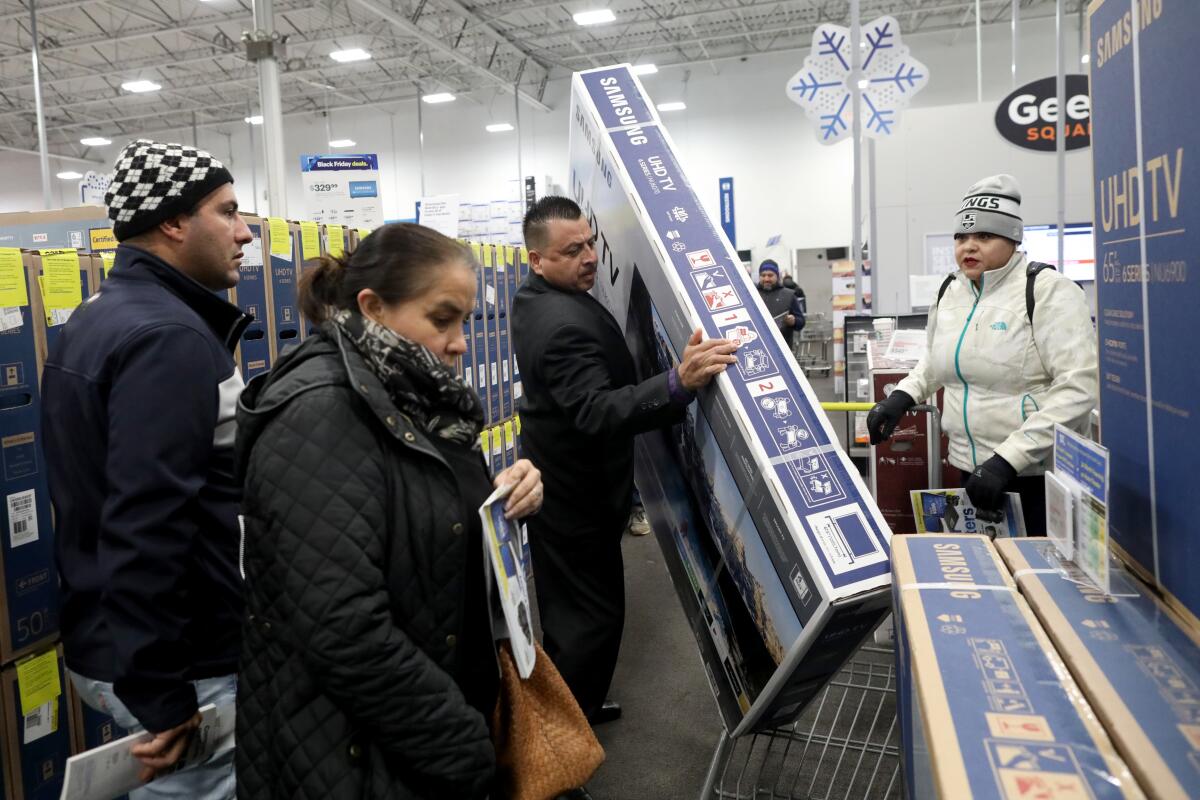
point(262, 47)
point(978, 53)
point(1016, 18)
point(253, 160)
point(517, 125)
point(856, 103)
point(1060, 144)
point(873, 229)
point(421, 137)
point(43, 148)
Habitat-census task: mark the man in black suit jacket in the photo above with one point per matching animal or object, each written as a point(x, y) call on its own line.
point(581, 409)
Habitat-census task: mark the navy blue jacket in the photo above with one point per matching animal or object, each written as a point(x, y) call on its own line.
point(139, 397)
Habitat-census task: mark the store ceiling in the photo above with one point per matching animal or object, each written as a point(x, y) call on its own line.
point(474, 48)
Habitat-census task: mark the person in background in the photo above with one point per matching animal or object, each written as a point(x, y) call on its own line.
point(790, 283)
point(369, 668)
point(582, 407)
point(1010, 372)
point(139, 394)
point(782, 304)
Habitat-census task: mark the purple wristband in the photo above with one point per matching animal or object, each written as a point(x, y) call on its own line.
point(679, 395)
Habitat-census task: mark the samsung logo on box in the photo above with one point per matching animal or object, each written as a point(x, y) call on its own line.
point(1028, 117)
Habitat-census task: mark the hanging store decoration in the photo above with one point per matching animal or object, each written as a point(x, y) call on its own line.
point(888, 79)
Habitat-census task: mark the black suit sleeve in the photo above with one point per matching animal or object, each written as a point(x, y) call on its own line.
point(575, 371)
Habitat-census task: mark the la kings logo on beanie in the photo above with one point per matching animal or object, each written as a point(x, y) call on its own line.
point(153, 181)
point(993, 205)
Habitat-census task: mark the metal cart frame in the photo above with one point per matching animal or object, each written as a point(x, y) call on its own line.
point(846, 744)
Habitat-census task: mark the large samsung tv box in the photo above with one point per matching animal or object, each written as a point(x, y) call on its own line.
point(986, 707)
point(1137, 665)
point(1144, 172)
point(780, 526)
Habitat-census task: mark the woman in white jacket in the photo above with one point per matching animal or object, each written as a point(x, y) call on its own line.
point(1009, 375)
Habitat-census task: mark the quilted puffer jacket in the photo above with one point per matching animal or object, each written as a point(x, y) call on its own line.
point(353, 566)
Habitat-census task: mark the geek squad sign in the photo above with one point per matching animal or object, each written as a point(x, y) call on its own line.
point(1029, 116)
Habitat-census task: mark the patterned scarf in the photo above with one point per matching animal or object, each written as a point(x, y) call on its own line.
point(425, 390)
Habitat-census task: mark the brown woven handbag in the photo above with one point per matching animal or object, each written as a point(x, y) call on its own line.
point(544, 744)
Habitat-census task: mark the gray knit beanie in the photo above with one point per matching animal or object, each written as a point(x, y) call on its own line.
point(993, 205)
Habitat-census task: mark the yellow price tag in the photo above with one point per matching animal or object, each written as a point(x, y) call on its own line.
point(489, 254)
point(310, 241)
point(37, 681)
point(102, 239)
point(477, 251)
point(335, 243)
point(281, 242)
point(509, 250)
point(106, 262)
point(497, 440)
point(517, 424)
point(508, 435)
point(62, 285)
point(12, 278)
point(362, 234)
point(485, 439)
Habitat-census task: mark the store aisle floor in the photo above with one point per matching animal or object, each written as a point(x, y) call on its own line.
point(661, 747)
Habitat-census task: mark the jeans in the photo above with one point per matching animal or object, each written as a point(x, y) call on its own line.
point(211, 780)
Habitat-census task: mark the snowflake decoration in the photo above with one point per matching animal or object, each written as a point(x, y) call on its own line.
point(822, 87)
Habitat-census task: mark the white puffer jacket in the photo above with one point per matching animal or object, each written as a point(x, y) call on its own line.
point(1007, 384)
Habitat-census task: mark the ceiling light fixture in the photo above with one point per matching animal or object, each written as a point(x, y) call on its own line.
point(341, 143)
point(598, 16)
point(643, 69)
point(69, 175)
point(438, 97)
point(864, 84)
point(137, 87)
point(499, 127)
point(674, 106)
point(95, 141)
point(353, 54)
point(255, 120)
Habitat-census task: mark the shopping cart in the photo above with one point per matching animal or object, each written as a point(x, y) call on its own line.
point(846, 744)
point(814, 344)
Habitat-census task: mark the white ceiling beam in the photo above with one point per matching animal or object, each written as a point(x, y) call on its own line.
point(403, 24)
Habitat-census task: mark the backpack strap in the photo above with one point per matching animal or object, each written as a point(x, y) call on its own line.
point(942, 290)
point(1031, 273)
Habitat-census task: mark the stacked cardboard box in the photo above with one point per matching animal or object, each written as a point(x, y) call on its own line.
point(37, 725)
point(1137, 663)
point(82, 228)
point(986, 707)
point(489, 365)
point(1143, 59)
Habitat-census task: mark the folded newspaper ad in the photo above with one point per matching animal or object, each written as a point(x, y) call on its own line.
point(951, 511)
point(111, 770)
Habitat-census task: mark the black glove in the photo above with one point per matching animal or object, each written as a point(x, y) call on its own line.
point(987, 483)
point(882, 419)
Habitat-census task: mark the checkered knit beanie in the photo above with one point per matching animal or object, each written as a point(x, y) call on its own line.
point(993, 205)
point(152, 181)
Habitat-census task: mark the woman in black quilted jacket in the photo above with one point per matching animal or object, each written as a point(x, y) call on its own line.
point(368, 667)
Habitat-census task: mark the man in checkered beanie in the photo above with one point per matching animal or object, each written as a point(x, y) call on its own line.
point(139, 395)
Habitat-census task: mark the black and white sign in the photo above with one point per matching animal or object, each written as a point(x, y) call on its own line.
point(1029, 116)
